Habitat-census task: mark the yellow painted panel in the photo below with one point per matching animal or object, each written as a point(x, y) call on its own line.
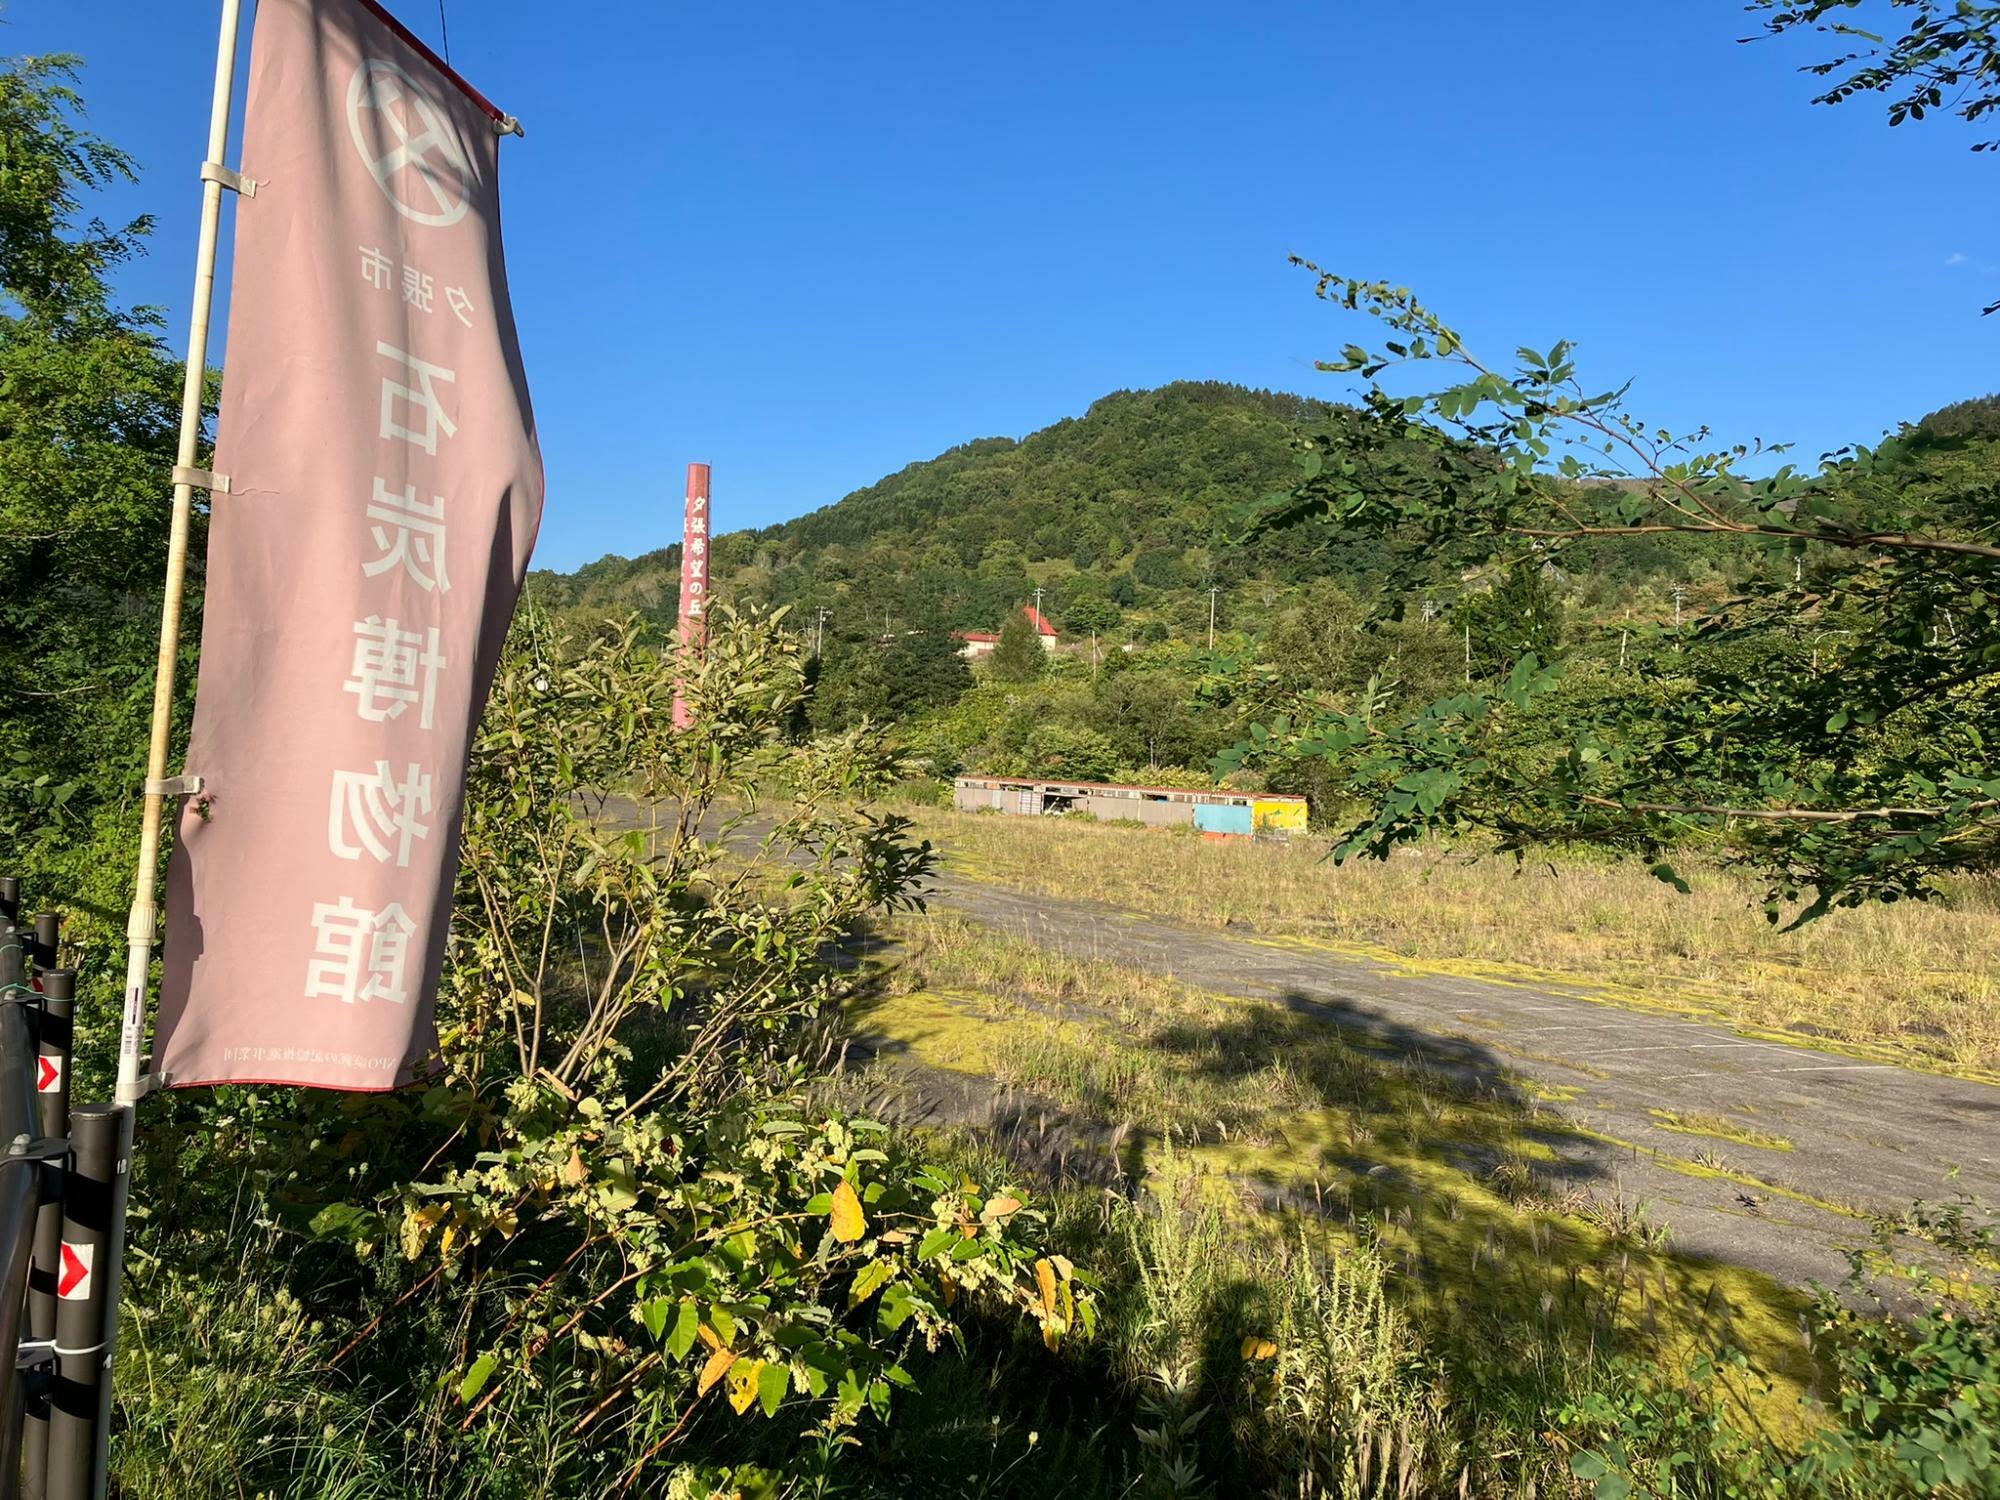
point(1271, 813)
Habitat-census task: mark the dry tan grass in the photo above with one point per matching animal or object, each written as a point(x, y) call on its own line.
point(1913, 983)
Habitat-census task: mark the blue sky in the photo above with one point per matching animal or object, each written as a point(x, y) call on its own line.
point(813, 243)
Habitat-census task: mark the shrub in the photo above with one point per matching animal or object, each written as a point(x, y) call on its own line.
point(615, 1228)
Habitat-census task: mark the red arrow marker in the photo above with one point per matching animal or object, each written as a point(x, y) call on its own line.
point(49, 1079)
point(74, 1282)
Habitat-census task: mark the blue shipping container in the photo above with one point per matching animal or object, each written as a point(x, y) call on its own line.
point(1219, 818)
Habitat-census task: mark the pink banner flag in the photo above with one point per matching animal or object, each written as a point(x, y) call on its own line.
point(694, 573)
point(384, 488)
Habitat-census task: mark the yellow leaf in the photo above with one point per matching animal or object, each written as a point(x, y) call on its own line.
point(417, 1227)
point(950, 1290)
point(743, 1383)
point(999, 1208)
point(1045, 1277)
point(445, 1240)
point(575, 1171)
point(718, 1364)
point(709, 1336)
point(1255, 1348)
point(849, 1223)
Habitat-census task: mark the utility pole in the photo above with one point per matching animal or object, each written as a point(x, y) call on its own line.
point(1038, 611)
point(1679, 593)
point(1817, 638)
point(1093, 653)
point(819, 631)
point(1468, 652)
point(1213, 590)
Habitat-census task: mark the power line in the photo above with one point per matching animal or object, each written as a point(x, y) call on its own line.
point(444, 33)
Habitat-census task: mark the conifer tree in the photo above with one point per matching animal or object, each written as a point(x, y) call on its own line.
point(1019, 657)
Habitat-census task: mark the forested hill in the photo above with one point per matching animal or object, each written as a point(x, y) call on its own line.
point(1125, 516)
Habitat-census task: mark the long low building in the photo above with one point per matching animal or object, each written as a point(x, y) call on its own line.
point(1238, 814)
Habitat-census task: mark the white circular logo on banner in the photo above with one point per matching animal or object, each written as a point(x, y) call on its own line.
point(423, 170)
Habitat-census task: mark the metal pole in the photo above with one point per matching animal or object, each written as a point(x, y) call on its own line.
point(42, 948)
point(86, 1301)
point(141, 924)
point(52, 1046)
point(20, 1182)
point(10, 898)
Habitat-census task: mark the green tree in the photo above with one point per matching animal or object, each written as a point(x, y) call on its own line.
point(925, 670)
point(1019, 656)
point(1519, 614)
point(1159, 567)
point(1091, 612)
point(89, 415)
point(1062, 750)
point(849, 685)
point(1824, 725)
point(905, 676)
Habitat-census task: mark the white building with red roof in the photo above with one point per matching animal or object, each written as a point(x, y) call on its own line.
point(974, 644)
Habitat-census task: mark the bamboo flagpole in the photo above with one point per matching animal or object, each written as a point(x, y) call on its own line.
point(141, 925)
point(140, 928)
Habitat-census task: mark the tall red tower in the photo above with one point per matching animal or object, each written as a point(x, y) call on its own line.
point(694, 576)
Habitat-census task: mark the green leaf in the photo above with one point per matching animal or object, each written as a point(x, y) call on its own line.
point(895, 1308)
point(687, 1326)
point(343, 1221)
point(476, 1377)
point(937, 1242)
point(1588, 1465)
point(771, 1382)
point(653, 1313)
point(871, 1279)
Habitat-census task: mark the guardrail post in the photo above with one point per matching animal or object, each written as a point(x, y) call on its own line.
point(20, 1182)
point(10, 899)
point(42, 945)
point(84, 1300)
point(53, 1042)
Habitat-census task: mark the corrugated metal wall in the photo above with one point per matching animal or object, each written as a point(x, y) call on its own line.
point(1233, 813)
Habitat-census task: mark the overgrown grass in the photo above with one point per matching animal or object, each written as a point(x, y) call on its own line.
point(1909, 983)
point(1387, 1226)
point(1324, 1271)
